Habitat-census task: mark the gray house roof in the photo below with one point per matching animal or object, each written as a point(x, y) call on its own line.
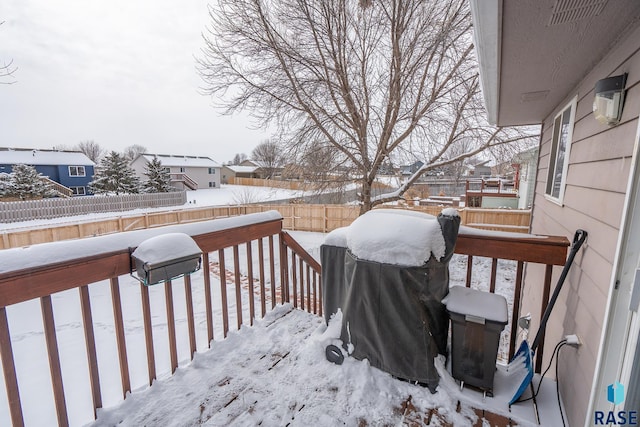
point(242, 169)
point(11, 156)
point(182, 161)
point(533, 52)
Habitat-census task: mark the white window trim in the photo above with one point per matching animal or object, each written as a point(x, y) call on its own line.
point(84, 190)
point(84, 171)
point(573, 104)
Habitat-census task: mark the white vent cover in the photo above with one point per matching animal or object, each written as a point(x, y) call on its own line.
point(566, 11)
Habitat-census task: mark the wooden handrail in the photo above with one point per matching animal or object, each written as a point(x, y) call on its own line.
point(59, 188)
point(183, 177)
point(547, 250)
point(518, 247)
point(300, 251)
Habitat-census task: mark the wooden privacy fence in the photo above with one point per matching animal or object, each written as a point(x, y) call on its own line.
point(317, 218)
point(274, 183)
point(55, 207)
point(293, 185)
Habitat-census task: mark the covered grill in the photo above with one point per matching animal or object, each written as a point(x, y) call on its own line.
point(388, 273)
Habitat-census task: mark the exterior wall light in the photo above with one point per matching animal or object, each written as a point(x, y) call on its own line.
point(609, 99)
point(165, 257)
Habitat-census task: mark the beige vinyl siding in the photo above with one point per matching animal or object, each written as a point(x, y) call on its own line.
point(597, 178)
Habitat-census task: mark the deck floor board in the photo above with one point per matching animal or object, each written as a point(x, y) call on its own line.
point(240, 381)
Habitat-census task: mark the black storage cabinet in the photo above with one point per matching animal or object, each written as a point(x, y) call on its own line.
point(477, 320)
point(391, 315)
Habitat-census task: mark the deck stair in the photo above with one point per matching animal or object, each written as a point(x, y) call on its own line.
point(184, 179)
point(61, 190)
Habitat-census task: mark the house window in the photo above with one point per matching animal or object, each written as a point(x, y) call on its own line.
point(212, 171)
point(182, 170)
point(212, 185)
point(560, 148)
point(166, 169)
point(78, 191)
point(76, 171)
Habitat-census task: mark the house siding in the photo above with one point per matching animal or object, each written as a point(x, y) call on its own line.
point(75, 181)
point(60, 174)
point(200, 174)
point(597, 178)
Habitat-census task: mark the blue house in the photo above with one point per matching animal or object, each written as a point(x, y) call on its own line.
point(70, 169)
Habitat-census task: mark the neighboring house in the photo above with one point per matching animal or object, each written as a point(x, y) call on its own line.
point(237, 171)
point(263, 170)
point(408, 170)
point(527, 168)
point(187, 172)
point(540, 61)
point(479, 169)
point(71, 170)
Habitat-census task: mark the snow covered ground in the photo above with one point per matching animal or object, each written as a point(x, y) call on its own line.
point(292, 385)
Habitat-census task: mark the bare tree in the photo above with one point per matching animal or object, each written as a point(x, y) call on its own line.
point(91, 149)
point(133, 151)
point(270, 157)
point(370, 78)
point(238, 158)
point(6, 70)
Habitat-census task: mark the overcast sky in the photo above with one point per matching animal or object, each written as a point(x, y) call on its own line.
point(119, 72)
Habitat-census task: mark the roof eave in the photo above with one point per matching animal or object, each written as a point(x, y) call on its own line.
point(487, 29)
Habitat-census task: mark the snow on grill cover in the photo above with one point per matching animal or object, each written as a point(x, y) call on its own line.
point(388, 273)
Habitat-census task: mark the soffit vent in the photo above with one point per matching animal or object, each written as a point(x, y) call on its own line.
point(566, 11)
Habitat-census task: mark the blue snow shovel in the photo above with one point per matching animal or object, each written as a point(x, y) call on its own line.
point(521, 366)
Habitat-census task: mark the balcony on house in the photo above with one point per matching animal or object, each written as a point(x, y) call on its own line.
point(491, 192)
point(216, 347)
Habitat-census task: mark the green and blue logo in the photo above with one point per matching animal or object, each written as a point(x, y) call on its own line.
point(615, 395)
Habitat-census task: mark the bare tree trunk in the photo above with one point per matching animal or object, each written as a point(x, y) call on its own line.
point(365, 197)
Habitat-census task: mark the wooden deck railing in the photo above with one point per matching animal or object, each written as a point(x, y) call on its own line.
point(59, 188)
point(233, 254)
point(546, 250)
point(476, 189)
point(185, 179)
point(229, 253)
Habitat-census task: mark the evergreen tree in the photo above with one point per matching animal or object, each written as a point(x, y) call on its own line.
point(26, 183)
point(114, 175)
point(6, 185)
point(158, 178)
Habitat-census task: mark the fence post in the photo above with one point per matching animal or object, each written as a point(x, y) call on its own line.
point(284, 270)
point(463, 216)
point(326, 219)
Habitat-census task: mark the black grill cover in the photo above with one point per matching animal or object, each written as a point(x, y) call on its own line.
point(392, 315)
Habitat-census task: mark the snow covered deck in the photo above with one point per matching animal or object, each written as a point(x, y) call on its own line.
point(78, 334)
point(275, 374)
